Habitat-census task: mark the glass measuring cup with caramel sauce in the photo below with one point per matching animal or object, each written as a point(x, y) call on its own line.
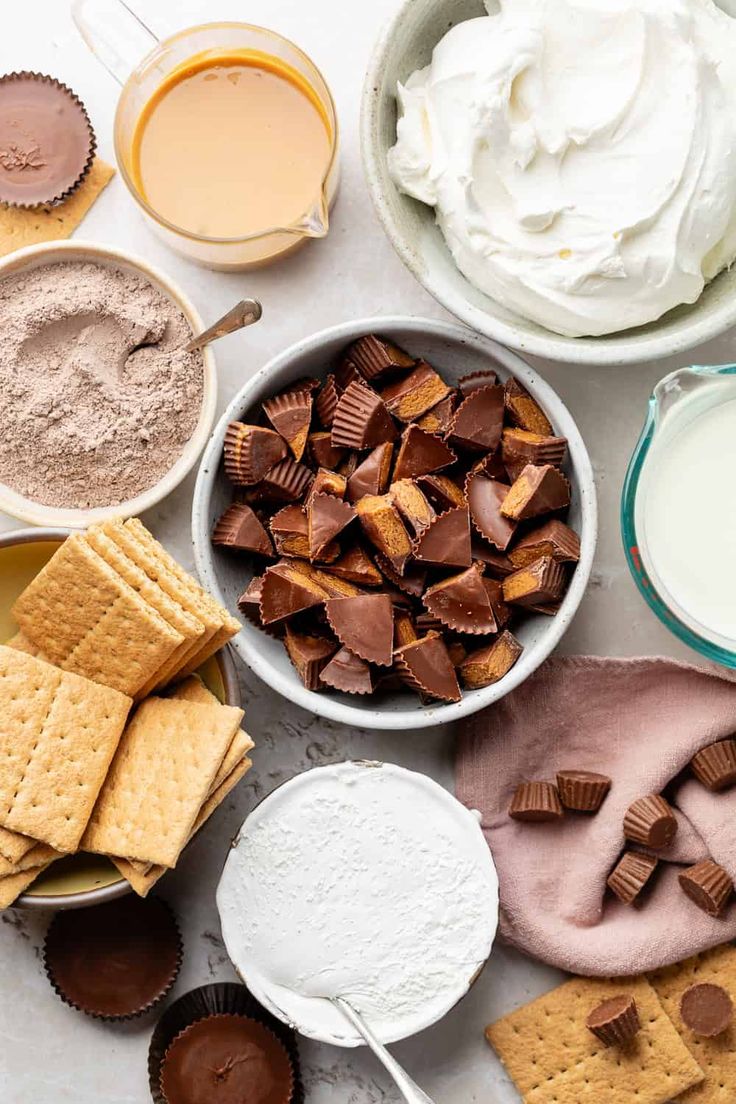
point(225, 135)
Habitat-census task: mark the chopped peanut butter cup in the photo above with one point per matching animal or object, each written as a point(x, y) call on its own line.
point(462, 603)
point(404, 629)
point(715, 765)
point(356, 566)
point(490, 664)
point(425, 665)
point(520, 447)
point(326, 402)
point(524, 411)
point(439, 418)
point(446, 540)
point(553, 538)
point(413, 581)
point(240, 528)
point(535, 585)
point(485, 497)
point(708, 886)
point(361, 419)
point(442, 491)
point(290, 414)
point(327, 482)
point(290, 529)
point(477, 423)
point(421, 453)
point(285, 591)
point(413, 505)
point(250, 451)
point(348, 672)
point(707, 1009)
point(309, 654)
point(286, 481)
point(471, 381)
point(365, 625)
point(372, 476)
point(630, 875)
point(327, 517)
point(536, 802)
point(323, 452)
point(384, 528)
point(651, 822)
point(374, 356)
point(615, 1021)
point(332, 585)
point(582, 791)
point(537, 490)
point(416, 393)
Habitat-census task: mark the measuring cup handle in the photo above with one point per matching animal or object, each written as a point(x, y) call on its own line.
point(113, 32)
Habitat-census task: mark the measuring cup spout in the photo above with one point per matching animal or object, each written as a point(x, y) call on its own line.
point(683, 382)
point(316, 222)
point(113, 32)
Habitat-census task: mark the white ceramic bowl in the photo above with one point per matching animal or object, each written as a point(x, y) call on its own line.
point(33, 512)
point(408, 789)
point(406, 45)
point(455, 351)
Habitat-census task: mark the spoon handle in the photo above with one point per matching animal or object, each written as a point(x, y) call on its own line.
point(408, 1089)
point(244, 313)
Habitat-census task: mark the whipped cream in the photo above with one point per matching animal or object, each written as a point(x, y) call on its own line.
point(580, 154)
point(365, 881)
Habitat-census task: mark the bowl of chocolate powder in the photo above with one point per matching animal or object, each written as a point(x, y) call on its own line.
point(103, 411)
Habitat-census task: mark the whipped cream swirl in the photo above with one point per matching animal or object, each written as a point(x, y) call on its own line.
point(580, 154)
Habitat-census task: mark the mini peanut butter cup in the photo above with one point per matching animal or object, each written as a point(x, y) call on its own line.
point(553, 538)
point(348, 672)
point(651, 822)
point(707, 885)
point(287, 481)
point(421, 453)
point(114, 961)
point(520, 447)
point(477, 423)
point(290, 414)
point(250, 451)
point(47, 144)
point(327, 482)
point(707, 1009)
point(425, 665)
point(582, 791)
point(308, 654)
point(416, 393)
point(488, 665)
point(240, 528)
point(630, 874)
point(249, 604)
point(361, 419)
point(372, 475)
point(536, 802)
point(615, 1021)
point(374, 356)
point(226, 1059)
point(524, 411)
point(327, 517)
point(365, 625)
point(485, 497)
point(462, 603)
point(326, 402)
point(223, 998)
point(536, 491)
point(446, 540)
point(715, 765)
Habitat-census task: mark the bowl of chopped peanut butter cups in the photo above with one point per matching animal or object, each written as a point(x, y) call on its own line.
point(402, 514)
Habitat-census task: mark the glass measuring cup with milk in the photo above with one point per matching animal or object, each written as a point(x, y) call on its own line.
point(678, 509)
point(225, 134)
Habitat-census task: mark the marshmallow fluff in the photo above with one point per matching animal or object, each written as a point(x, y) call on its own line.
point(580, 155)
point(360, 880)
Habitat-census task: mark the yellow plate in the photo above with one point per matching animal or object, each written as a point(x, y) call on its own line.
point(69, 880)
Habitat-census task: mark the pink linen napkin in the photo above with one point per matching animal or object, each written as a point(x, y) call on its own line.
point(639, 721)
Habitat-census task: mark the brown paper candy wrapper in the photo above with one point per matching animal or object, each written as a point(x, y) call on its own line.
point(224, 998)
point(708, 886)
point(715, 766)
point(616, 1021)
point(630, 875)
point(536, 802)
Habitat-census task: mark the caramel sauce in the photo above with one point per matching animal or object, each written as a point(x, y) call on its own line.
point(232, 144)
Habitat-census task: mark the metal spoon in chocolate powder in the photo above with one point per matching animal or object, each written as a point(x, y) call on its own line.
point(244, 313)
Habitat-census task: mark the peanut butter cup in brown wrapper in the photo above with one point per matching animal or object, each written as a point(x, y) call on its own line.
point(250, 452)
point(708, 886)
point(286, 481)
point(630, 875)
point(582, 791)
point(374, 356)
point(361, 419)
point(47, 144)
point(348, 672)
point(536, 802)
point(651, 822)
point(308, 654)
point(241, 529)
point(290, 414)
point(715, 766)
point(425, 665)
point(462, 603)
point(615, 1021)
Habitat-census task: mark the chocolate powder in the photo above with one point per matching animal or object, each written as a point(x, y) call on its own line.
point(88, 419)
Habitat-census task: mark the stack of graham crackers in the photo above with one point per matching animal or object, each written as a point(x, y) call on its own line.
point(109, 620)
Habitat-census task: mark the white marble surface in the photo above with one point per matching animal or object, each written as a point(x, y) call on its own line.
point(49, 1054)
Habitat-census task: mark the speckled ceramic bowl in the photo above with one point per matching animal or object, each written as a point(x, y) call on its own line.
point(405, 45)
point(79, 880)
point(456, 351)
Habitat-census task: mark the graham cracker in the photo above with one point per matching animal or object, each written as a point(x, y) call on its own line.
point(58, 734)
point(19, 227)
point(88, 620)
point(142, 877)
point(21, 643)
point(191, 628)
point(554, 1059)
point(717, 1057)
point(13, 846)
point(193, 689)
point(13, 885)
point(39, 855)
point(167, 760)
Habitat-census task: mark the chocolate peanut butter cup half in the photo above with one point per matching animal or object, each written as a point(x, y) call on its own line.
point(477, 423)
point(365, 625)
point(47, 144)
point(426, 666)
point(290, 414)
point(348, 672)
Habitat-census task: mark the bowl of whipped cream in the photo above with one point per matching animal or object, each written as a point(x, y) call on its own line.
point(561, 174)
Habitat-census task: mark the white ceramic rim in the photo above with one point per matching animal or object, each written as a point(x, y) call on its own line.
point(608, 351)
point(465, 817)
point(471, 702)
point(37, 514)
